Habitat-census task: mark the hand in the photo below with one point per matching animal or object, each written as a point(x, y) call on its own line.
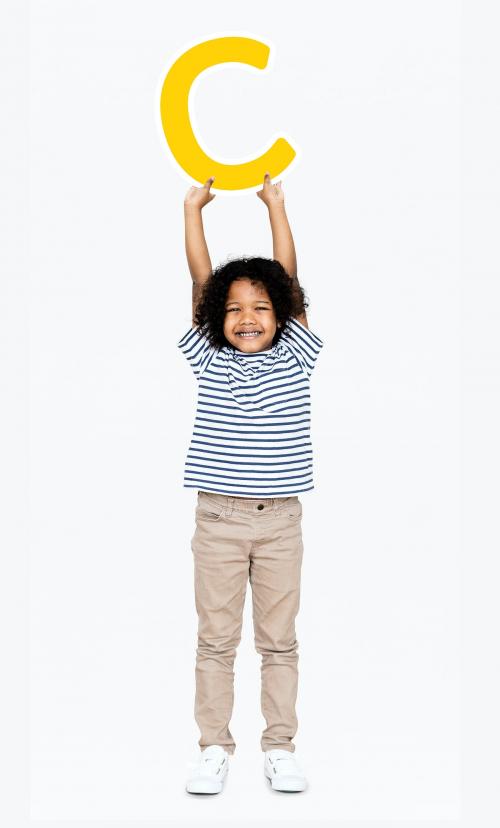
point(271, 193)
point(199, 196)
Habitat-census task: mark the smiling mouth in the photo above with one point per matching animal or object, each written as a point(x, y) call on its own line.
point(248, 334)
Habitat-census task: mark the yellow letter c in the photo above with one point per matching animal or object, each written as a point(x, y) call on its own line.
point(177, 126)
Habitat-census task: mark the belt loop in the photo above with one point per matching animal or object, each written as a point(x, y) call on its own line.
point(229, 506)
point(275, 505)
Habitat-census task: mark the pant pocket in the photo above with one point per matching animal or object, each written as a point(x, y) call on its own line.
point(292, 510)
point(209, 512)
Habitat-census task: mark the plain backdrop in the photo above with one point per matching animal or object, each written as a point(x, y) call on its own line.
point(370, 93)
point(374, 96)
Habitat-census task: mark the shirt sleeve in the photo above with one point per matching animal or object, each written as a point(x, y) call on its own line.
point(304, 344)
point(197, 349)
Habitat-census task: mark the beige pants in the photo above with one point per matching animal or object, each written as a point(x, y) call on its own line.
point(238, 539)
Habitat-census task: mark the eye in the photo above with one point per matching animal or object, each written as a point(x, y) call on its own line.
point(235, 309)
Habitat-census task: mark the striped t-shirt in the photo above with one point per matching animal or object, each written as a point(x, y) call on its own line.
point(251, 435)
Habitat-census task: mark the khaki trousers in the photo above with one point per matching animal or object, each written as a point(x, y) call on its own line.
point(239, 539)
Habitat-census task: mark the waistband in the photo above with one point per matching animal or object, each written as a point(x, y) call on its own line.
point(259, 505)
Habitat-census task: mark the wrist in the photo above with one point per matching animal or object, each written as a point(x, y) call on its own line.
point(276, 207)
point(191, 208)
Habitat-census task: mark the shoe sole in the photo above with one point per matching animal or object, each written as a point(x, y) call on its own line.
point(206, 785)
point(290, 784)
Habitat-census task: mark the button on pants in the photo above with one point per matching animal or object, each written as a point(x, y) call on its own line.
point(236, 540)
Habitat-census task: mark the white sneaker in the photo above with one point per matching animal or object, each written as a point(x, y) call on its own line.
point(285, 773)
point(210, 772)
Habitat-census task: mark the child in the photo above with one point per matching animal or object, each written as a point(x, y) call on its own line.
point(250, 456)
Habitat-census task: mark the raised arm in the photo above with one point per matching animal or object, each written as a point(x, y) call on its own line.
point(198, 259)
point(283, 247)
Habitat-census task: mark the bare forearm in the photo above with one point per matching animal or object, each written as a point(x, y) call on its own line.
point(197, 254)
point(283, 246)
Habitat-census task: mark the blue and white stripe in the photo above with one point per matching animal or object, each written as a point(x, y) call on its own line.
point(251, 435)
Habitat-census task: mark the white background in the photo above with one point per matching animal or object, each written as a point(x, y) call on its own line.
point(382, 101)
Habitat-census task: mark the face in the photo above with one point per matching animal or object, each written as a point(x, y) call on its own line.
point(249, 308)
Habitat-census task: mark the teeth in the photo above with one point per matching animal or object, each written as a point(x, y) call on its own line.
point(249, 333)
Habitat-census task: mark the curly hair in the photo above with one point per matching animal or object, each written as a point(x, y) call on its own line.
point(287, 297)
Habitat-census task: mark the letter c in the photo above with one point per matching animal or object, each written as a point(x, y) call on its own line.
point(177, 126)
